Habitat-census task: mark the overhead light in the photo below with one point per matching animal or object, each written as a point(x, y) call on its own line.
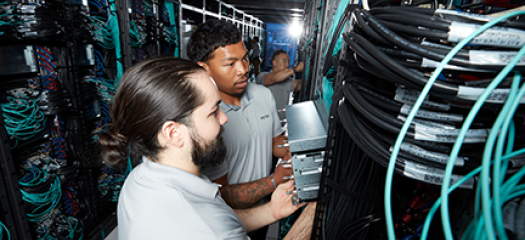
point(297, 10)
point(295, 29)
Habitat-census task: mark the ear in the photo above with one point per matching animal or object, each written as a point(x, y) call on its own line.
point(172, 133)
point(204, 65)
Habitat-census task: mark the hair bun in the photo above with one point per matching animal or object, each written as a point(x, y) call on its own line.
point(113, 146)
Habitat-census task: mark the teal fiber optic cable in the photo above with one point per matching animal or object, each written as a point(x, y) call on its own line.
point(410, 117)
point(431, 213)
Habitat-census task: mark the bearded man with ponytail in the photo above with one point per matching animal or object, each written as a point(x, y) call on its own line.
point(166, 119)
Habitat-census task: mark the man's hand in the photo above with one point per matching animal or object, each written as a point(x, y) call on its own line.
point(281, 172)
point(281, 203)
point(299, 67)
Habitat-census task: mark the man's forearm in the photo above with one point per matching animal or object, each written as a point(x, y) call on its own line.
point(302, 228)
point(279, 76)
point(257, 217)
point(244, 195)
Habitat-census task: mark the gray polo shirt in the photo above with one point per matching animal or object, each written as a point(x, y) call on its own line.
point(163, 202)
point(281, 91)
point(248, 137)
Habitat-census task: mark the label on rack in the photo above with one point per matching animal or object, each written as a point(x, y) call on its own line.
point(411, 99)
point(494, 58)
point(417, 121)
point(497, 96)
point(494, 36)
point(449, 135)
point(437, 116)
point(432, 156)
point(432, 175)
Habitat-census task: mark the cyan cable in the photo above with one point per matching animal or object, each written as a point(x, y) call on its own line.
point(172, 15)
point(337, 17)
point(49, 198)
point(410, 117)
point(485, 182)
point(23, 118)
point(435, 206)
point(498, 173)
point(116, 37)
point(516, 101)
point(2, 229)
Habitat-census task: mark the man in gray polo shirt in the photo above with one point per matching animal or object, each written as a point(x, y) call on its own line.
point(253, 131)
point(176, 129)
point(280, 80)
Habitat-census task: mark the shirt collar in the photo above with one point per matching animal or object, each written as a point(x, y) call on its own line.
point(174, 177)
point(245, 101)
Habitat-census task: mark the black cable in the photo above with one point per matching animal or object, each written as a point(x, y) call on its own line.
point(415, 21)
point(328, 58)
point(401, 42)
point(383, 58)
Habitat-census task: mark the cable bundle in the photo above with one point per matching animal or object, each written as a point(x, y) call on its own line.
point(403, 45)
point(23, 118)
point(58, 141)
point(101, 31)
point(137, 33)
point(45, 194)
point(111, 182)
point(374, 120)
point(500, 143)
point(36, 21)
point(8, 21)
point(52, 100)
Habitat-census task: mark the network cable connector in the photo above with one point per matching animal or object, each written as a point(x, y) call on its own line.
point(307, 130)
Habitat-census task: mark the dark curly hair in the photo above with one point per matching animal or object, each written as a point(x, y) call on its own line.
point(209, 36)
point(277, 52)
point(150, 93)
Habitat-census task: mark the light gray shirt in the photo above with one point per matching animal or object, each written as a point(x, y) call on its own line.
point(163, 202)
point(248, 137)
point(282, 92)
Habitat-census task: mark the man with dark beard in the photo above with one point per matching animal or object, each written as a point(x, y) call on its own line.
point(166, 118)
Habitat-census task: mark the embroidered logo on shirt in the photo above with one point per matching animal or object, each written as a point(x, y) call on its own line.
point(265, 116)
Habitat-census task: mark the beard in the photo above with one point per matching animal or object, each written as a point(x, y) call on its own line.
point(209, 153)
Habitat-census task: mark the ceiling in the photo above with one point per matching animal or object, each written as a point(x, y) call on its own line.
point(272, 11)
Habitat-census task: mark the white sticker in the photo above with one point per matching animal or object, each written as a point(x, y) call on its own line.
point(447, 117)
point(495, 58)
point(432, 156)
point(449, 135)
point(427, 123)
point(433, 175)
point(494, 36)
point(497, 96)
point(435, 45)
point(434, 64)
point(411, 100)
point(478, 17)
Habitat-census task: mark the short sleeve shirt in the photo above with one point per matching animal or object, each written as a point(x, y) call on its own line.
point(281, 92)
point(248, 137)
point(162, 202)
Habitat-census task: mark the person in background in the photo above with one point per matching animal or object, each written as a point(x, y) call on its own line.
point(253, 133)
point(256, 55)
point(280, 80)
point(166, 119)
